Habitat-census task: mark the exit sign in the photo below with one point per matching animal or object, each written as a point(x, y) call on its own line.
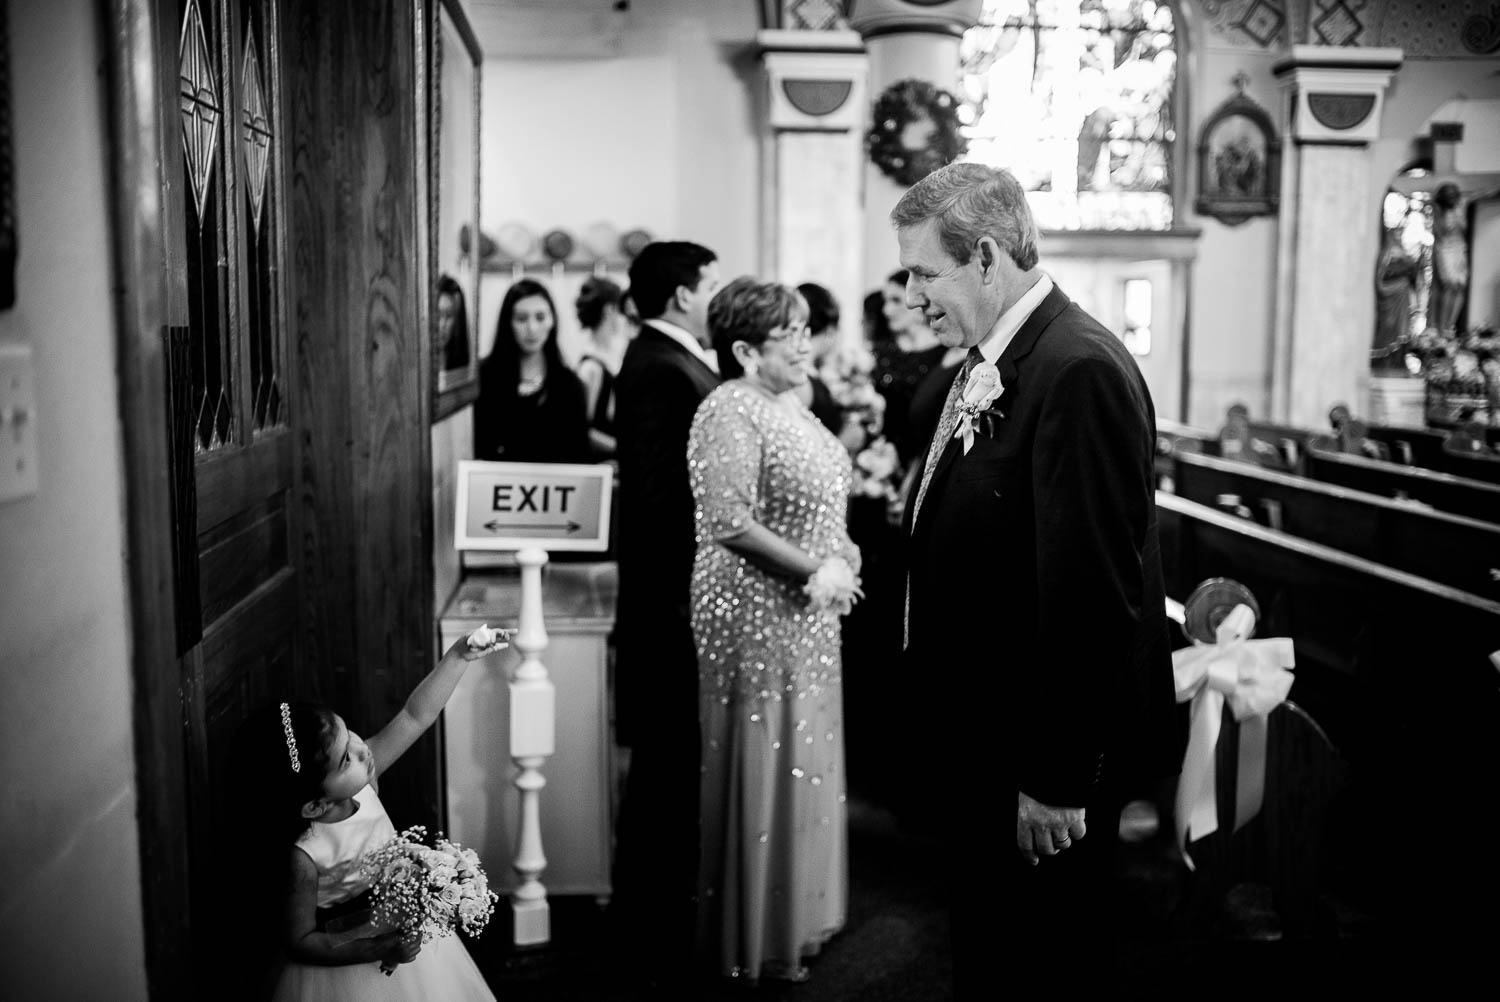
point(551, 506)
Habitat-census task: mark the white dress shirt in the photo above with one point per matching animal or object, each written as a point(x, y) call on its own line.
point(1013, 319)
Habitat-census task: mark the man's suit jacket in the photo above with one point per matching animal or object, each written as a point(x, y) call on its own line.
point(1035, 572)
point(657, 392)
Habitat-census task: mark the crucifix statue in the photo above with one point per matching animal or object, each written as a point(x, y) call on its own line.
point(1452, 192)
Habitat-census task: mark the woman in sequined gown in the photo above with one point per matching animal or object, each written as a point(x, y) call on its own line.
point(771, 485)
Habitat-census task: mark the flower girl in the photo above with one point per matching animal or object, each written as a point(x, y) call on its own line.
point(307, 784)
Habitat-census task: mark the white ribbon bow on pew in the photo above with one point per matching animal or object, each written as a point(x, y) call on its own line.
point(1252, 675)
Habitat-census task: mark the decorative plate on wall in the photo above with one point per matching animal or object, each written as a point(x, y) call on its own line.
point(634, 241)
point(602, 241)
point(516, 242)
point(558, 245)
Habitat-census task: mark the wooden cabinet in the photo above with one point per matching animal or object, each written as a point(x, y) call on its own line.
point(578, 603)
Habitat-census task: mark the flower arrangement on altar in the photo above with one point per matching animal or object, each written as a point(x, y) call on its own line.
point(428, 890)
point(1461, 372)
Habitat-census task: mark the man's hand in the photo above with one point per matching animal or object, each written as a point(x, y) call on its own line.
point(1046, 831)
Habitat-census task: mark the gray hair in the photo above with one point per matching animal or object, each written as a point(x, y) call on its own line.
point(970, 201)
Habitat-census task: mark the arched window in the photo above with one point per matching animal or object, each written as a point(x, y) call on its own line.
point(1075, 97)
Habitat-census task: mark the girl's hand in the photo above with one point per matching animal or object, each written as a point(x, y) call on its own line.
point(481, 642)
point(397, 949)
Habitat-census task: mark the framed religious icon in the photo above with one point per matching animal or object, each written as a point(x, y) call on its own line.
point(453, 213)
point(1239, 161)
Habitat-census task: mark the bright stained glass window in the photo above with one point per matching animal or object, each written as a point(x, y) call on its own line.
point(1075, 98)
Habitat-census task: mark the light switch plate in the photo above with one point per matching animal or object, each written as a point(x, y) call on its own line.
point(20, 474)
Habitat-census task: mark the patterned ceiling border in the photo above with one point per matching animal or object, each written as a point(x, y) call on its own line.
point(1423, 29)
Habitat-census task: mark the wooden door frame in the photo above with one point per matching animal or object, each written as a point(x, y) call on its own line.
point(141, 93)
point(131, 31)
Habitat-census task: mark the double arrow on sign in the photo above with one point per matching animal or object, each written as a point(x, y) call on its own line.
point(495, 525)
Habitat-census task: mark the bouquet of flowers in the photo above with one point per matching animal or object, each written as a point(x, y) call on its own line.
point(428, 891)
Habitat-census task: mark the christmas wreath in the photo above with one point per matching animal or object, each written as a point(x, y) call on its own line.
point(902, 105)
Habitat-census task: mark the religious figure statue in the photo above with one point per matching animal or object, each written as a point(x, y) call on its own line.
point(1396, 275)
point(1450, 258)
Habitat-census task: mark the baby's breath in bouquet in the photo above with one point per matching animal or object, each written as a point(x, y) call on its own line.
point(428, 891)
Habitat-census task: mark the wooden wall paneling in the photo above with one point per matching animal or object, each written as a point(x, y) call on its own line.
point(365, 452)
point(315, 207)
point(395, 570)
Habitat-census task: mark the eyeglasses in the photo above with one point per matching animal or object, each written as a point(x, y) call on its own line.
point(797, 337)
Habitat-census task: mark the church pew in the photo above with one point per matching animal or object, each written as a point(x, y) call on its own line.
point(1169, 435)
point(1273, 446)
point(1483, 466)
point(1452, 549)
point(1443, 491)
point(1410, 446)
point(1402, 674)
point(1433, 449)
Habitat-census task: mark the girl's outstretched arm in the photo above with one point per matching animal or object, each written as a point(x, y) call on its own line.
point(427, 701)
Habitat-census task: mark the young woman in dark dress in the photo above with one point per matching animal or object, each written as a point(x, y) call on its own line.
point(531, 405)
point(902, 363)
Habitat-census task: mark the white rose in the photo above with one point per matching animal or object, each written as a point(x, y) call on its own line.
point(983, 387)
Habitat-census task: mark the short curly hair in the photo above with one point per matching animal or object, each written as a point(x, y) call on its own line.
point(747, 310)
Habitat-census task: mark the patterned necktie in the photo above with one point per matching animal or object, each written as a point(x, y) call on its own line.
point(947, 422)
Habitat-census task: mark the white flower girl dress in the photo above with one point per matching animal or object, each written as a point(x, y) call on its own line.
point(442, 972)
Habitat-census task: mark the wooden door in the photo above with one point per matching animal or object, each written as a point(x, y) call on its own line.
point(231, 419)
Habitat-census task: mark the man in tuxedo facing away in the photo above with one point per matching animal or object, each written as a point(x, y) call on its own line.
point(666, 373)
point(1035, 586)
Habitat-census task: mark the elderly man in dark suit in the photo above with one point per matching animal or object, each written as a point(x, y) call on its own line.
point(1035, 587)
point(666, 373)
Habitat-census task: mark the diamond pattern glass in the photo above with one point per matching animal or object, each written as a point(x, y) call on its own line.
point(200, 103)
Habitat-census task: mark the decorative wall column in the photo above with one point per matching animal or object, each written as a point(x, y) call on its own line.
point(812, 159)
point(1325, 306)
point(905, 39)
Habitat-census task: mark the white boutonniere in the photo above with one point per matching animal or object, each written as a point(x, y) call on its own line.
point(982, 389)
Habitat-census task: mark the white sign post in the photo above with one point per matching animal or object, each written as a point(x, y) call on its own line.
point(530, 508)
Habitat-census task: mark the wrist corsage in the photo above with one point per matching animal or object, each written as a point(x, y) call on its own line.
point(982, 389)
point(833, 586)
